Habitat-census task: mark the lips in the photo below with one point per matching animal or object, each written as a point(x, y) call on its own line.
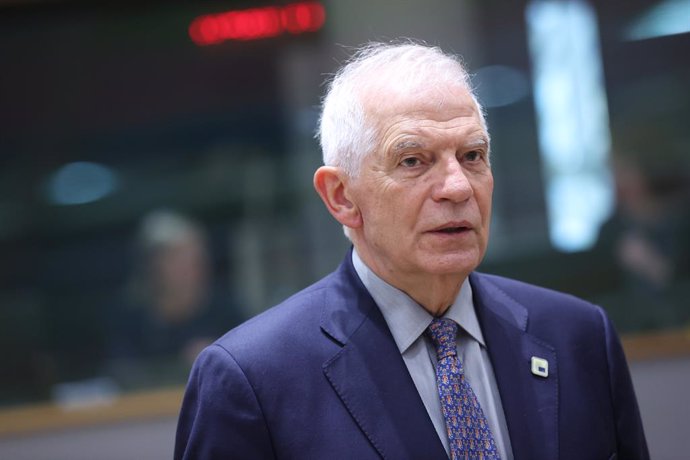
point(452, 230)
point(453, 227)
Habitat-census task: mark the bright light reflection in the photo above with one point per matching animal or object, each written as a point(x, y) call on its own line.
point(670, 17)
point(572, 118)
point(499, 85)
point(81, 182)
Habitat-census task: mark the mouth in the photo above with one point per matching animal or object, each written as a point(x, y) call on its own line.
point(453, 228)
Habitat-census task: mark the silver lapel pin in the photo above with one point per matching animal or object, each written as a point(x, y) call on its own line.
point(540, 366)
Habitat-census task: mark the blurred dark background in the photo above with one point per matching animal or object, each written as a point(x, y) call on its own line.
point(122, 140)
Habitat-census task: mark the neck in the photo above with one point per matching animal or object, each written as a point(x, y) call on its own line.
point(435, 293)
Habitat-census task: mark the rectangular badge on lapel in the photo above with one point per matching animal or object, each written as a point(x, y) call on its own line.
point(540, 367)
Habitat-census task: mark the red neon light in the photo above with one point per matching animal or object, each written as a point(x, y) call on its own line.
point(256, 23)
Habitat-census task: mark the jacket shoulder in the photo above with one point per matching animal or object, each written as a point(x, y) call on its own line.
point(530, 295)
point(538, 308)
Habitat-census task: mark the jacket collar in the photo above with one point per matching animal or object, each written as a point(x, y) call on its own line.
point(370, 376)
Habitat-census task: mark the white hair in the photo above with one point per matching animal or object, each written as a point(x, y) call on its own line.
point(346, 134)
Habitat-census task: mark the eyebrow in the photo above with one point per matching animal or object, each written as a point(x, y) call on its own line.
point(407, 145)
point(479, 142)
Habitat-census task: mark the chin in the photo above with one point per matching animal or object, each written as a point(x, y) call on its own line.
point(461, 266)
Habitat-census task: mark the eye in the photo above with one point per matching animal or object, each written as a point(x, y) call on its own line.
point(474, 155)
point(410, 162)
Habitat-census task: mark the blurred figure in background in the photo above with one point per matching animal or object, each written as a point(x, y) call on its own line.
point(649, 237)
point(170, 309)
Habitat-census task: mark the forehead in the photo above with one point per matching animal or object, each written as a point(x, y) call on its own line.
point(438, 114)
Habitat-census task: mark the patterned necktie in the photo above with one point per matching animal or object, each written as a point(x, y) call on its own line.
point(469, 434)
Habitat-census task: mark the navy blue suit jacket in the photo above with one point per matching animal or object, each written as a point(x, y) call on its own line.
point(320, 377)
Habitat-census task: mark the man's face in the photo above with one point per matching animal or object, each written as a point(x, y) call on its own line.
point(425, 194)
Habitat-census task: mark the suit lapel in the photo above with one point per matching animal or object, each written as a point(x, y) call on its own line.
point(530, 402)
point(370, 376)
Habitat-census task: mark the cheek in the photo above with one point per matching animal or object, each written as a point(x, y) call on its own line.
point(387, 215)
point(388, 223)
point(484, 193)
point(487, 204)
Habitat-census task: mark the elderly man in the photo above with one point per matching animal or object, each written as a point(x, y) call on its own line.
point(404, 351)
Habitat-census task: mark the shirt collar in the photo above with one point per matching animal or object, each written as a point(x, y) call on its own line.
point(406, 319)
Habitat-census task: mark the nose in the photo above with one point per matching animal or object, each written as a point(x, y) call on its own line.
point(452, 182)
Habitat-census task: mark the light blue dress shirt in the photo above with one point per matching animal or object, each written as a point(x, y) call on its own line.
point(407, 321)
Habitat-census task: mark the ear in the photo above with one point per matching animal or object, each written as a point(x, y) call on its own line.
point(331, 184)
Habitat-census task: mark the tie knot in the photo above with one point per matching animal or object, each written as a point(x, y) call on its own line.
point(442, 332)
